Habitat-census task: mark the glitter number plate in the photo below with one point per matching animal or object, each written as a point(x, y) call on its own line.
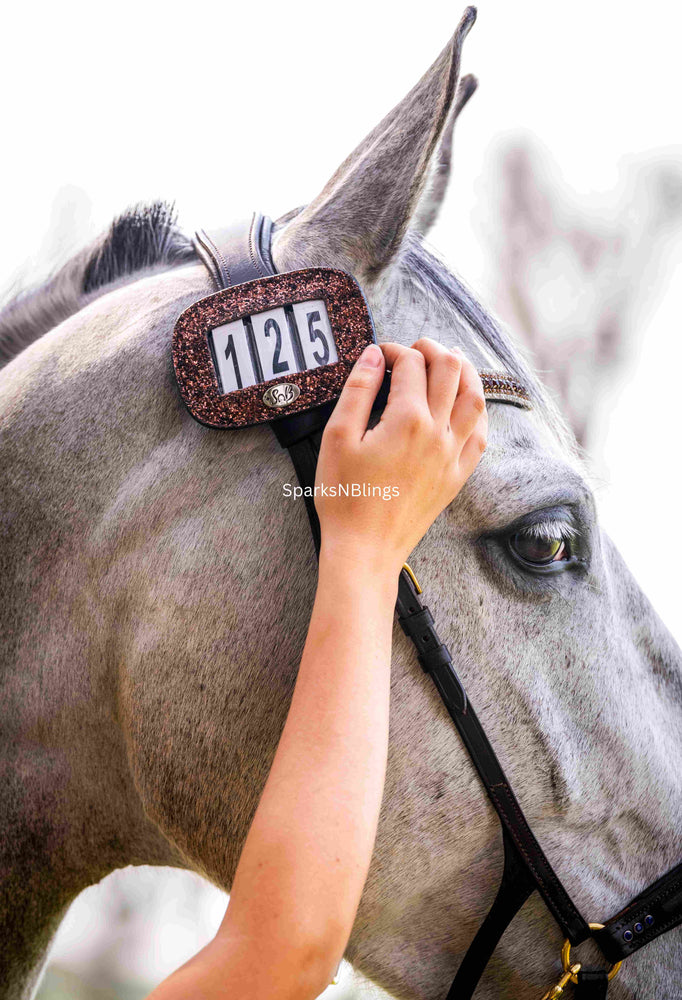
point(270, 347)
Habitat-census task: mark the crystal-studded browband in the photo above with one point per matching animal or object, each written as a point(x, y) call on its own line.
point(505, 389)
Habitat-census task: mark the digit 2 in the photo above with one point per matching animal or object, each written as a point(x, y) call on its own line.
point(277, 366)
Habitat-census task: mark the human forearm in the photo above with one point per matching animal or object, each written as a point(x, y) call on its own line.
point(311, 840)
point(304, 863)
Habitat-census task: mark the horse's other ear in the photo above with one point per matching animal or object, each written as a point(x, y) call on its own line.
point(436, 185)
point(359, 220)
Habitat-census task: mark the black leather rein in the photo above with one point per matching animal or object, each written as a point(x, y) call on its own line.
point(242, 253)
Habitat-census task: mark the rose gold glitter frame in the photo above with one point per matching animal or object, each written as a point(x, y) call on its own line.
point(351, 325)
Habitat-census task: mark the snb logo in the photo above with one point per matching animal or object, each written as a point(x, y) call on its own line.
point(278, 396)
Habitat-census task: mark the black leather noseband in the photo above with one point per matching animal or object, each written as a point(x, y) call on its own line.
point(242, 253)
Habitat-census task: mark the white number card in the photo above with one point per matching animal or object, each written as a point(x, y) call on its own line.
point(272, 344)
point(233, 357)
point(315, 333)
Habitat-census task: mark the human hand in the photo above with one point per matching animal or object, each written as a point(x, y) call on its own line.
point(429, 440)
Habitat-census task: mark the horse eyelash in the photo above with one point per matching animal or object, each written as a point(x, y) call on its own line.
point(550, 530)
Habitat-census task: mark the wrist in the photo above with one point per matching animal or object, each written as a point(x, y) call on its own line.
point(357, 561)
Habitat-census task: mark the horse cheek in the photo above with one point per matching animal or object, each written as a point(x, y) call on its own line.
point(203, 702)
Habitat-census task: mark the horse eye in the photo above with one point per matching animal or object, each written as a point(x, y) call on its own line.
point(538, 551)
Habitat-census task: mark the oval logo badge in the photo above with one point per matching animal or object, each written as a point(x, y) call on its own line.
point(278, 396)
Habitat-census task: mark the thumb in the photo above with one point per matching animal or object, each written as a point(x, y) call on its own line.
point(353, 409)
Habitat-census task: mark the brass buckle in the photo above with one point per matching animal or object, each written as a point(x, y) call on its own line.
point(413, 578)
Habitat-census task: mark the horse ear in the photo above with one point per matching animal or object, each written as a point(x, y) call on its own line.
point(360, 218)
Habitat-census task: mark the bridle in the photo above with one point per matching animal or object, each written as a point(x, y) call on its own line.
point(239, 254)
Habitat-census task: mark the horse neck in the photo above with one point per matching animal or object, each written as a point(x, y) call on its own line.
point(79, 408)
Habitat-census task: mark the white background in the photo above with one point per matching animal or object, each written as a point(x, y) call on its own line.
point(225, 107)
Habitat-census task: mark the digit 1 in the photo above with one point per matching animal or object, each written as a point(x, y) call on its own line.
point(231, 352)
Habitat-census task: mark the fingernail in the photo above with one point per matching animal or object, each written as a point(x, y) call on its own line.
point(371, 356)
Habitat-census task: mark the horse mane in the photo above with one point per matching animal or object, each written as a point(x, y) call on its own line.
point(424, 273)
point(144, 237)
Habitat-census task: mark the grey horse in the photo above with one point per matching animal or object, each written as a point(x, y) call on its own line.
point(157, 584)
